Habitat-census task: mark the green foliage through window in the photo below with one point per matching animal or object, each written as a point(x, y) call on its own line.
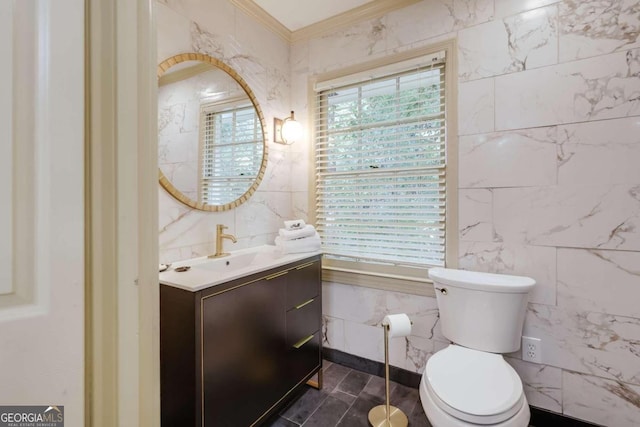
point(231, 153)
point(380, 169)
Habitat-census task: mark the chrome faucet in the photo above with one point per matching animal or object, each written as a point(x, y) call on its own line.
point(219, 236)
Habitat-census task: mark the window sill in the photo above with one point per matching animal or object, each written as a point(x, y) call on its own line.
point(383, 281)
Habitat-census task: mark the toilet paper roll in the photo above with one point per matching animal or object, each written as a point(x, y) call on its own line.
point(399, 325)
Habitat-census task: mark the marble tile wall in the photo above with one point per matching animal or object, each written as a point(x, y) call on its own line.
point(549, 147)
point(549, 176)
point(261, 58)
point(178, 117)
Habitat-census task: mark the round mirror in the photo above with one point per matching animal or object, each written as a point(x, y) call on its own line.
point(211, 145)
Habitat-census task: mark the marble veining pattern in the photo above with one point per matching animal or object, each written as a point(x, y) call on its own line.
point(602, 401)
point(517, 43)
point(465, 13)
point(619, 91)
point(542, 384)
point(521, 158)
point(368, 37)
point(596, 27)
point(264, 211)
point(273, 178)
point(600, 281)
point(333, 332)
point(246, 65)
point(598, 217)
point(360, 312)
point(590, 89)
point(475, 214)
point(416, 357)
point(537, 262)
point(431, 19)
point(277, 84)
point(612, 147)
point(183, 221)
point(592, 343)
point(376, 35)
point(300, 202)
point(476, 106)
point(206, 42)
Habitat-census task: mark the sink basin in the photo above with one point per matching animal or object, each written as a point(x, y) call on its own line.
point(231, 262)
point(205, 272)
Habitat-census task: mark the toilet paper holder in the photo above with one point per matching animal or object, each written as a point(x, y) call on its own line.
point(387, 415)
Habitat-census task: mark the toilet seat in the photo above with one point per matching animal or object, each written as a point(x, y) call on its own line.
point(474, 386)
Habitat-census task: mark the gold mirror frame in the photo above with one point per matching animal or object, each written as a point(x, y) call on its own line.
point(166, 184)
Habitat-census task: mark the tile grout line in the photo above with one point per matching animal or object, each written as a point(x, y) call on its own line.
point(348, 394)
point(325, 399)
point(315, 410)
point(356, 398)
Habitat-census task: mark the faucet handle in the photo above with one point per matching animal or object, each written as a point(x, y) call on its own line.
point(221, 227)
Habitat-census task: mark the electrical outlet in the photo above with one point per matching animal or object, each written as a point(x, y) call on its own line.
point(531, 349)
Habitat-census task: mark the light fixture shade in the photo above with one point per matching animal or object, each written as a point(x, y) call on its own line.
point(286, 131)
point(291, 130)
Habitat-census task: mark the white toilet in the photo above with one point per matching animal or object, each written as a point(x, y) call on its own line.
point(469, 383)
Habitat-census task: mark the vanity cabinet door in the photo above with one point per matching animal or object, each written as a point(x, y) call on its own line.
point(243, 349)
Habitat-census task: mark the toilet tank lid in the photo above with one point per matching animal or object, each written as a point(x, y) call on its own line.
point(489, 282)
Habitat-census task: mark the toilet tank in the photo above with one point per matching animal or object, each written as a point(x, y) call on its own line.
point(483, 311)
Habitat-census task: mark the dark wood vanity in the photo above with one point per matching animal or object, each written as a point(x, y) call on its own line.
point(234, 353)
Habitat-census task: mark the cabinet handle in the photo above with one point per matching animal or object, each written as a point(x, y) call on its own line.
point(298, 307)
point(273, 276)
point(300, 267)
point(303, 341)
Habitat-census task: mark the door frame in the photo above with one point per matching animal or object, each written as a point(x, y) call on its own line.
point(122, 374)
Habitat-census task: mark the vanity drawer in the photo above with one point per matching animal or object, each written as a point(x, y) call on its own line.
point(303, 283)
point(304, 360)
point(303, 321)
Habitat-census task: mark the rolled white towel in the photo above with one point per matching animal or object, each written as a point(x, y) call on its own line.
point(306, 244)
point(294, 224)
point(306, 231)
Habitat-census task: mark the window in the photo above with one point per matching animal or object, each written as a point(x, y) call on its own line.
point(381, 166)
point(230, 153)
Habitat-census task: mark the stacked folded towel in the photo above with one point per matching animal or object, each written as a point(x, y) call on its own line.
point(296, 237)
point(294, 224)
point(306, 231)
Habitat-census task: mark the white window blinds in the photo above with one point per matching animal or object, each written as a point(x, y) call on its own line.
point(230, 141)
point(380, 158)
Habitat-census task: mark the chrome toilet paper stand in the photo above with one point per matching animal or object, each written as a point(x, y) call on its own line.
point(387, 415)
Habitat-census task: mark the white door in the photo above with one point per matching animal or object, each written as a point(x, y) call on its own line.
point(42, 205)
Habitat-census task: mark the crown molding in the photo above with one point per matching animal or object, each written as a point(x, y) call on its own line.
point(367, 11)
point(260, 15)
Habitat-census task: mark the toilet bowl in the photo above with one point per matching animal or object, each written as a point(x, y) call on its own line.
point(463, 387)
point(469, 383)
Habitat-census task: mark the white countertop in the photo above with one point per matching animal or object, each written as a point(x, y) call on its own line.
point(205, 272)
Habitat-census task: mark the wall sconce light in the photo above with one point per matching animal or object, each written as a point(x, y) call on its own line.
point(286, 131)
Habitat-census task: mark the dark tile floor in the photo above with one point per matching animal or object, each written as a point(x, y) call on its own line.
point(346, 397)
